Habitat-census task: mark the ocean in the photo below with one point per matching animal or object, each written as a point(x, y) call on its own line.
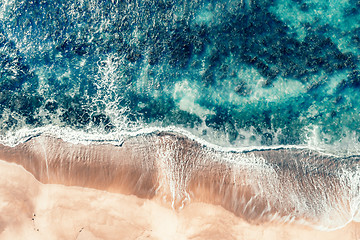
point(259, 97)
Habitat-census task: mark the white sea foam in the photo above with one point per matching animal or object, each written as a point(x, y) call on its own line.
point(346, 147)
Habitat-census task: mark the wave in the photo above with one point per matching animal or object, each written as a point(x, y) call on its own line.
point(283, 184)
point(347, 147)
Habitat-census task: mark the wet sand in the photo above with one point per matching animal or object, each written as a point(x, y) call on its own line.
point(32, 210)
point(167, 186)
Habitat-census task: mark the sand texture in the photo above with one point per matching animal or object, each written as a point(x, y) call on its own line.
point(32, 210)
point(168, 186)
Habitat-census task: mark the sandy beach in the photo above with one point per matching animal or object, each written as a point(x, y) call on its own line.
point(32, 210)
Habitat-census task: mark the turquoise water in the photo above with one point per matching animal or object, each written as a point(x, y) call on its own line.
point(235, 73)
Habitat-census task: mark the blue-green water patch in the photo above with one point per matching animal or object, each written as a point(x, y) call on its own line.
point(256, 72)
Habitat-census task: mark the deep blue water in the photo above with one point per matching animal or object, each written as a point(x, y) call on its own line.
point(236, 72)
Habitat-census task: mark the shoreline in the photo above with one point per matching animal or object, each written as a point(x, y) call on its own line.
point(282, 185)
point(22, 136)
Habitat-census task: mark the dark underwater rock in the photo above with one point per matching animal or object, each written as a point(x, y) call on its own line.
point(242, 89)
point(352, 80)
point(180, 50)
point(75, 117)
point(51, 106)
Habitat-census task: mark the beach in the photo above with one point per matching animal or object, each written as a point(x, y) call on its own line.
point(167, 186)
point(32, 210)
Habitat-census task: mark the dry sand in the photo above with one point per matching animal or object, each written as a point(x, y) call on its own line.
point(32, 210)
